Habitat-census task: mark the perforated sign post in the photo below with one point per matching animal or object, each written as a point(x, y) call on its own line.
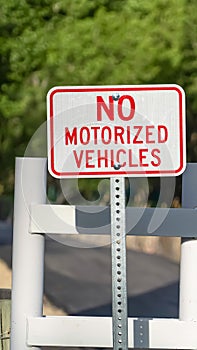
point(116, 132)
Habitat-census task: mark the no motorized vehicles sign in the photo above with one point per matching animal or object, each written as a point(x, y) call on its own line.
point(105, 131)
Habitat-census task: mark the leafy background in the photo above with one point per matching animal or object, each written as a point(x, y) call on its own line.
point(44, 43)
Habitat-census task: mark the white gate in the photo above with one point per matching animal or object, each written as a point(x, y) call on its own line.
point(33, 218)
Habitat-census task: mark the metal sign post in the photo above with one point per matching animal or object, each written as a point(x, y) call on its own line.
point(118, 252)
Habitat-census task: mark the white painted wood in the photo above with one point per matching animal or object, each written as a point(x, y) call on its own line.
point(70, 331)
point(28, 250)
point(30, 330)
point(188, 264)
point(57, 219)
point(97, 332)
point(172, 334)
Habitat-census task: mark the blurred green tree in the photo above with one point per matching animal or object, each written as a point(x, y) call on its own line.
point(44, 43)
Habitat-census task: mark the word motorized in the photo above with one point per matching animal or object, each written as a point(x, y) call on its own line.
point(127, 135)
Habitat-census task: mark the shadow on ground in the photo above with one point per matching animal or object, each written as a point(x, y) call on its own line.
point(79, 281)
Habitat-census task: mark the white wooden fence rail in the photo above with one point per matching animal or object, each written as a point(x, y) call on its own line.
point(33, 218)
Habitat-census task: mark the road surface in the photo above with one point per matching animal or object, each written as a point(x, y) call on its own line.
point(79, 281)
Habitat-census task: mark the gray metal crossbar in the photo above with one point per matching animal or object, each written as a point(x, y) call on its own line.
point(96, 220)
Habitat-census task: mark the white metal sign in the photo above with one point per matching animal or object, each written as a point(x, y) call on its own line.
point(104, 131)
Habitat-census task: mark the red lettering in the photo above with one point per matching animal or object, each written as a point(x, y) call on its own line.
point(70, 137)
point(102, 158)
point(105, 140)
point(84, 135)
point(89, 158)
point(78, 159)
point(139, 129)
point(95, 129)
point(112, 157)
point(149, 133)
point(118, 156)
point(162, 133)
point(128, 135)
point(157, 158)
point(118, 133)
point(109, 110)
point(142, 156)
point(132, 107)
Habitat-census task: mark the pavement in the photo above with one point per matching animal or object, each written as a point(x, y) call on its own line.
point(79, 281)
point(5, 232)
point(83, 281)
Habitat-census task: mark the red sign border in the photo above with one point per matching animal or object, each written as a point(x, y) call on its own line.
point(147, 173)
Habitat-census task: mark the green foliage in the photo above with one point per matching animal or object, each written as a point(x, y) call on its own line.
point(44, 43)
